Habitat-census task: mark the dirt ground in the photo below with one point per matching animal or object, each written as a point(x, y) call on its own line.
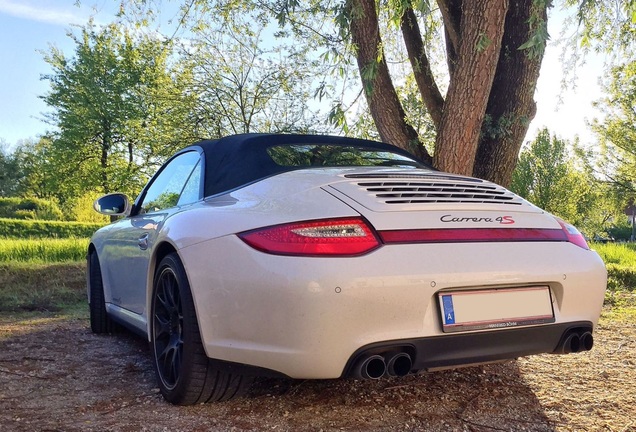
point(57, 376)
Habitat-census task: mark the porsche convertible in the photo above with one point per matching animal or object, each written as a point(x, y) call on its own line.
point(316, 257)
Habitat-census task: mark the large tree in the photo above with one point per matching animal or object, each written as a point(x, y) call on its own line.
point(242, 86)
point(617, 131)
point(8, 171)
point(493, 51)
point(117, 107)
point(479, 107)
point(555, 174)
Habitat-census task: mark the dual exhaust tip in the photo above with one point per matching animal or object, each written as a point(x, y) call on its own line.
point(575, 342)
point(376, 366)
point(392, 363)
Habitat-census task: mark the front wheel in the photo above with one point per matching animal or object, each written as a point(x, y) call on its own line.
point(183, 370)
point(100, 321)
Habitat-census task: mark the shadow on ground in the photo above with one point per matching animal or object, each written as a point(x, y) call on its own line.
point(59, 376)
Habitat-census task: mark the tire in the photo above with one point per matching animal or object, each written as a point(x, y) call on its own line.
point(100, 321)
point(184, 373)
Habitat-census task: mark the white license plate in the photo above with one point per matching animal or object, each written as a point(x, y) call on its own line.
point(495, 308)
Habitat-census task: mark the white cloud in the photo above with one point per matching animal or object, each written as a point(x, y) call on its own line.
point(40, 11)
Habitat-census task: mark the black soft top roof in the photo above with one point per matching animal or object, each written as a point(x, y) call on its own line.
point(238, 160)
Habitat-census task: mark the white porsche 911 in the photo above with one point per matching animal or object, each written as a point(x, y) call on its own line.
point(325, 257)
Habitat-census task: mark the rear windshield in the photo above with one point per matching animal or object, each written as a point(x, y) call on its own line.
point(327, 155)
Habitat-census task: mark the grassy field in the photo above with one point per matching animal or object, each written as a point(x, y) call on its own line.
point(43, 251)
point(623, 254)
point(37, 287)
point(42, 275)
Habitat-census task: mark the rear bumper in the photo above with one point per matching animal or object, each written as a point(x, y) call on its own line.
point(455, 350)
point(309, 318)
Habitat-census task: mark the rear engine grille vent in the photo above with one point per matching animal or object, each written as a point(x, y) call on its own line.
point(417, 192)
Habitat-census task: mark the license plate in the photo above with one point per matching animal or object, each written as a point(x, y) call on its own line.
point(495, 308)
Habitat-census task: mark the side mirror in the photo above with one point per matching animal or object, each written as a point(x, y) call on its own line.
point(114, 204)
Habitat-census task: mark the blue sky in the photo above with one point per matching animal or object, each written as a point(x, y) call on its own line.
point(30, 26)
point(26, 28)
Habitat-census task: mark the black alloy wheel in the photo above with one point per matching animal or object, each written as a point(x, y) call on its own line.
point(184, 372)
point(100, 321)
point(168, 328)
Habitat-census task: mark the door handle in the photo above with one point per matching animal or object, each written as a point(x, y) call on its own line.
point(143, 242)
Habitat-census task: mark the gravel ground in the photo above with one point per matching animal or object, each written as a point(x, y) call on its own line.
point(55, 375)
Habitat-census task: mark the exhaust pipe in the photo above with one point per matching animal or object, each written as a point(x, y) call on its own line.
point(399, 364)
point(586, 341)
point(372, 367)
point(575, 342)
point(571, 344)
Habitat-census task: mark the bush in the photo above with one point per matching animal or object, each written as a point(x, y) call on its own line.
point(620, 232)
point(81, 209)
point(620, 261)
point(30, 208)
point(15, 228)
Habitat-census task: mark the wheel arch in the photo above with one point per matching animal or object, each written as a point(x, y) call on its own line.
point(163, 249)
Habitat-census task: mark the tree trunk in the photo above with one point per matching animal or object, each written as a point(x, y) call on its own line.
point(511, 106)
point(481, 32)
point(384, 104)
point(105, 146)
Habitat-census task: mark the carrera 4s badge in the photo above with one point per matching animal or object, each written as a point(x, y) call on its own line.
point(503, 220)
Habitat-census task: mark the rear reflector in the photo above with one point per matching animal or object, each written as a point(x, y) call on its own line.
point(328, 237)
point(462, 235)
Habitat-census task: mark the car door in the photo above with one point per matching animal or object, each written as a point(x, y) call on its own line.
point(129, 247)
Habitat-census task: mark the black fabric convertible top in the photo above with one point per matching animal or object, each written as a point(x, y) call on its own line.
point(238, 160)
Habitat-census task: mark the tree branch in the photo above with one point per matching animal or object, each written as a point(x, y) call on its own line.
point(421, 67)
point(384, 104)
point(451, 16)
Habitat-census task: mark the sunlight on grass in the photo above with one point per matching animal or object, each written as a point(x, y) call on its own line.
point(43, 250)
point(617, 253)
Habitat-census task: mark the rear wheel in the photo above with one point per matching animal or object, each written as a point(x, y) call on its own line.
point(100, 321)
point(184, 372)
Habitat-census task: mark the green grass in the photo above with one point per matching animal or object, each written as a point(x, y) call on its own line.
point(43, 250)
point(623, 254)
point(21, 229)
point(620, 260)
point(54, 287)
point(620, 297)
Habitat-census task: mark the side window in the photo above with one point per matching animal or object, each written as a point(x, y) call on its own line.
point(166, 188)
point(192, 190)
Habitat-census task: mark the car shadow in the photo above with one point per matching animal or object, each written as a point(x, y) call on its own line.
point(64, 377)
point(487, 397)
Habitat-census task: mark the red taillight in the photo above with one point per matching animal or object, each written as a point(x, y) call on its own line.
point(328, 237)
point(573, 235)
